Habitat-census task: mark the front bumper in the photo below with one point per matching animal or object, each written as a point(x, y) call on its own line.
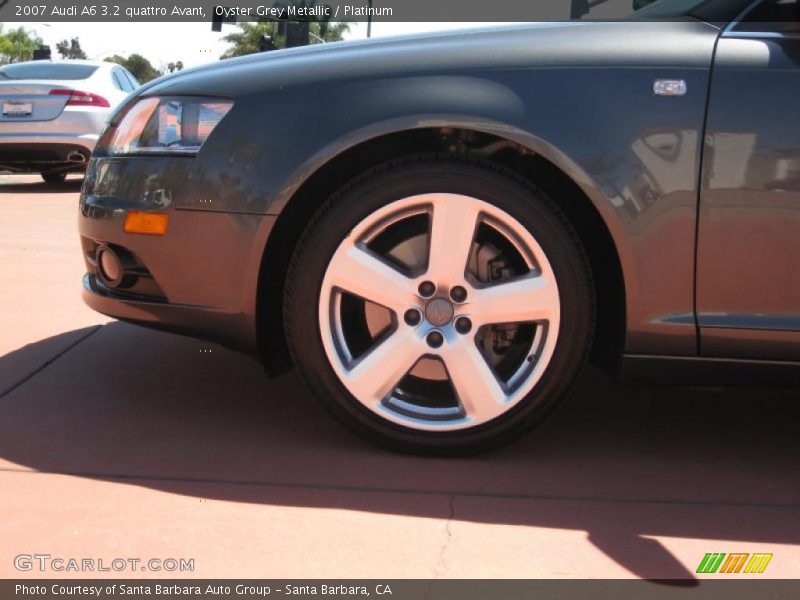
point(200, 279)
point(203, 322)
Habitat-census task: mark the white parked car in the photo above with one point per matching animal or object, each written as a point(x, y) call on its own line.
point(52, 113)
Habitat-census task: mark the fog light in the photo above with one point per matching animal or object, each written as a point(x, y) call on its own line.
point(150, 223)
point(109, 267)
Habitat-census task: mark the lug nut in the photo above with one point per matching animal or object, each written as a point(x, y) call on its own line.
point(412, 317)
point(458, 294)
point(427, 289)
point(463, 325)
point(435, 339)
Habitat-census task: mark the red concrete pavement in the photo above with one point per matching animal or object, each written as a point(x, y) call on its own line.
point(119, 442)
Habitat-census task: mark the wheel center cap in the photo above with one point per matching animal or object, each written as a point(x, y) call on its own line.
point(439, 312)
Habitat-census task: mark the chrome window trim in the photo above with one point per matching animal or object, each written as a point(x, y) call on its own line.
point(740, 17)
point(760, 34)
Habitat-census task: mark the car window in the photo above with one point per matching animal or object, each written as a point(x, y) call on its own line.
point(126, 81)
point(134, 82)
point(119, 80)
point(47, 70)
point(777, 16)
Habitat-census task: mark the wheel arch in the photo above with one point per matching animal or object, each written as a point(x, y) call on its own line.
point(528, 156)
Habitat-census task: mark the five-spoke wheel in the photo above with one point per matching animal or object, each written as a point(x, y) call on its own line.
point(438, 307)
point(479, 281)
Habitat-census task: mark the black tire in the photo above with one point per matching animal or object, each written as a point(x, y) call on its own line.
point(426, 174)
point(54, 177)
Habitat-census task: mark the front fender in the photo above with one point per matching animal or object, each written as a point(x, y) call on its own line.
point(634, 155)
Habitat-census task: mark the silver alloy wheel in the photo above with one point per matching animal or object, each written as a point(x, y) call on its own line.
point(373, 375)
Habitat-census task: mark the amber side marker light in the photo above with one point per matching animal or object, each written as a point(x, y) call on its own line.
point(150, 223)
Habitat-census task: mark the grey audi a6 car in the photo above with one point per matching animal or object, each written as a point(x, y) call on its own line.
point(439, 231)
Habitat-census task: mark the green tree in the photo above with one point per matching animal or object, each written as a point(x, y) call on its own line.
point(6, 46)
point(250, 37)
point(330, 31)
point(138, 65)
point(18, 44)
point(116, 58)
point(175, 66)
point(70, 48)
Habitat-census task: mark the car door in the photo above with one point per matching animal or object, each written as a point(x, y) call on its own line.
point(748, 257)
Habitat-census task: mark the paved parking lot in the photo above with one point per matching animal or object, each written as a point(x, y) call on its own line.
point(116, 442)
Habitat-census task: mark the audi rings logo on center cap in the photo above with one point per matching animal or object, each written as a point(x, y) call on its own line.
point(439, 312)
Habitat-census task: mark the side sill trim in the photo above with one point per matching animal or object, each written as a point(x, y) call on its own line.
point(696, 371)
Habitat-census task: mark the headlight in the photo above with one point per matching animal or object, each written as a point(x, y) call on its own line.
point(167, 124)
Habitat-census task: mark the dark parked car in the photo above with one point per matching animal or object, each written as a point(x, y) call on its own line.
point(439, 231)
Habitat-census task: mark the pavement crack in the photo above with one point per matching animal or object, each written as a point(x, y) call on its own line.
point(48, 362)
point(448, 537)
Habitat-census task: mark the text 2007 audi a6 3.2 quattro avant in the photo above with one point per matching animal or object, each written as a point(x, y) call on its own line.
point(439, 231)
